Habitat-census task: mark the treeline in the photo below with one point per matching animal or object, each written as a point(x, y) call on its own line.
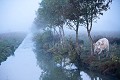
point(58, 14)
point(9, 42)
point(53, 16)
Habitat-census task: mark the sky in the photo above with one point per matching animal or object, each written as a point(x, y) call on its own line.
point(110, 21)
point(18, 15)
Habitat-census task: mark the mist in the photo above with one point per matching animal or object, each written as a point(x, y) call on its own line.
point(46, 53)
point(110, 19)
point(17, 15)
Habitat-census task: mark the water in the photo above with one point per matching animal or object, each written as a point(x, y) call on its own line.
point(22, 66)
point(25, 65)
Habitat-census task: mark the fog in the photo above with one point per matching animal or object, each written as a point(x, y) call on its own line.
point(18, 15)
point(110, 19)
point(23, 65)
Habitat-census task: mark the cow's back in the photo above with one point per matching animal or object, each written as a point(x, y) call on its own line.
point(104, 44)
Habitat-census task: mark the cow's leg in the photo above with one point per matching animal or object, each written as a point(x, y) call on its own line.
point(107, 54)
point(107, 51)
point(100, 51)
point(104, 53)
point(99, 54)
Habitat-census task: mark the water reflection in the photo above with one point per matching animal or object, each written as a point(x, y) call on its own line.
point(22, 66)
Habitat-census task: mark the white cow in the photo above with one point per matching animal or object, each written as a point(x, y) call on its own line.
point(100, 45)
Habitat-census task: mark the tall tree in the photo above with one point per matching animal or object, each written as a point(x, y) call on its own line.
point(92, 9)
point(52, 11)
point(73, 15)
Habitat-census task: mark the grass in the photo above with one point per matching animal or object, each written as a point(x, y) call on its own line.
point(9, 43)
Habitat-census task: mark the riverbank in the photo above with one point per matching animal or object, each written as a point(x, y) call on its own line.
point(104, 66)
point(65, 54)
point(9, 42)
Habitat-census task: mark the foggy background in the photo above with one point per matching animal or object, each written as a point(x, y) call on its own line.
point(18, 16)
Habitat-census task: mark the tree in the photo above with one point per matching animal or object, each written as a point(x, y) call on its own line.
point(51, 11)
point(73, 15)
point(92, 9)
point(55, 13)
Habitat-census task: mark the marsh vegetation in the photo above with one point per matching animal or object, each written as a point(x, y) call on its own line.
point(51, 53)
point(9, 42)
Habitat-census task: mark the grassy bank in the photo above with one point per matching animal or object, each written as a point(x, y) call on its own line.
point(9, 43)
point(66, 53)
point(106, 65)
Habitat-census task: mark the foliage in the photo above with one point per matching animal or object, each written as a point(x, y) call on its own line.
point(50, 12)
point(49, 58)
point(59, 52)
point(106, 66)
point(56, 13)
point(65, 55)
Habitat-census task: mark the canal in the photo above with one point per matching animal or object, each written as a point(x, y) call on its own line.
point(27, 65)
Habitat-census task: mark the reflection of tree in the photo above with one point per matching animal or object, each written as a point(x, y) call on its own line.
point(96, 76)
point(46, 62)
point(55, 74)
point(74, 74)
point(58, 73)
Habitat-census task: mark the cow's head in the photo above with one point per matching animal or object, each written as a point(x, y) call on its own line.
point(96, 48)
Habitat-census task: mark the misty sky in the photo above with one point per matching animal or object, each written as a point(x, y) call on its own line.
point(18, 15)
point(110, 20)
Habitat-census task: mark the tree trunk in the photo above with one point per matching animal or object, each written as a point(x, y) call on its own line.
point(61, 31)
point(91, 43)
point(77, 45)
point(76, 38)
point(77, 27)
point(60, 34)
point(89, 28)
point(53, 36)
point(63, 34)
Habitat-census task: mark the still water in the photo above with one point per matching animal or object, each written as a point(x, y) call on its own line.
point(25, 65)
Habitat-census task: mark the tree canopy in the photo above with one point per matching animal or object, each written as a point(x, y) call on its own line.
point(56, 13)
